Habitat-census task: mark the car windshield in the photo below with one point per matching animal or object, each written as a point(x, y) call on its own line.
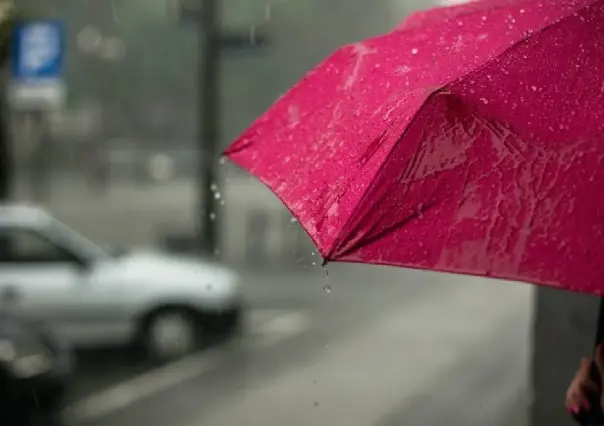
point(74, 241)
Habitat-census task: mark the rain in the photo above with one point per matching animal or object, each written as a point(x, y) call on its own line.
point(226, 212)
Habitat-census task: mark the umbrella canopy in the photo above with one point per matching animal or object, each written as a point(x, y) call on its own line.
point(472, 145)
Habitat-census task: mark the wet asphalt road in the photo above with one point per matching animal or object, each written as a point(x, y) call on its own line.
point(382, 347)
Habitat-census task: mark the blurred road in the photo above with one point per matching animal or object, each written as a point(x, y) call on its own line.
point(365, 347)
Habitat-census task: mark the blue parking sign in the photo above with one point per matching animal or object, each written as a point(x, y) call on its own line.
point(37, 54)
point(37, 50)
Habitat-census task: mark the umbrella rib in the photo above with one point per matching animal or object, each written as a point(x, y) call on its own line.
point(397, 225)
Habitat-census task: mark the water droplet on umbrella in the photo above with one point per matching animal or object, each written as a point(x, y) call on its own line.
point(327, 289)
point(414, 51)
point(534, 88)
point(484, 101)
point(402, 70)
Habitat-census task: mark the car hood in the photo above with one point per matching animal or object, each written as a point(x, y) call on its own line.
point(152, 268)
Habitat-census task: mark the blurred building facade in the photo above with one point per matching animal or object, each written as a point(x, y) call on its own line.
point(119, 162)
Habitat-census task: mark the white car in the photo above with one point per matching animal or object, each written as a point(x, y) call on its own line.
point(94, 297)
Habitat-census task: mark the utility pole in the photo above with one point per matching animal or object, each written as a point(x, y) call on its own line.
point(7, 18)
point(209, 28)
point(213, 40)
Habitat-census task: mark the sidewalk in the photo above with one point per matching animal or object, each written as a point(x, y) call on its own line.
point(406, 354)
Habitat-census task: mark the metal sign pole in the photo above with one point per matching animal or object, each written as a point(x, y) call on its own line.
point(41, 157)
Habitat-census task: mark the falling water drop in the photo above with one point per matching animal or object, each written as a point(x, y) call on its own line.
point(327, 289)
point(114, 11)
point(253, 34)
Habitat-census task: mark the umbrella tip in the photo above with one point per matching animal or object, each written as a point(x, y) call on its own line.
point(324, 263)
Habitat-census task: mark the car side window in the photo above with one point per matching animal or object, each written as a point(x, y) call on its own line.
point(28, 246)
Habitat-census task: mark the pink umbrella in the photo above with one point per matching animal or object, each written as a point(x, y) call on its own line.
point(472, 145)
point(475, 152)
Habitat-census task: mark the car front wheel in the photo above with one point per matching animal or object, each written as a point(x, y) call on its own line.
point(172, 333)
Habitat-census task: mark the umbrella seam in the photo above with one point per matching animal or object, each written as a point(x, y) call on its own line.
point(342, 235)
